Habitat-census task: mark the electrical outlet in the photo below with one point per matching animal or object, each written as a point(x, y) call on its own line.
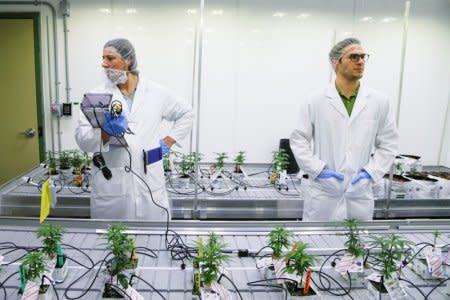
point(56, 110)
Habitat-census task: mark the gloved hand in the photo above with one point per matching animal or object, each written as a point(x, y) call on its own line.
point(164, 147)
point(115, 126)
point(327, 173)
point(361, 175)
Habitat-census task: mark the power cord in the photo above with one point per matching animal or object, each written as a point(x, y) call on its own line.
point(232, 283)
point(147, 283)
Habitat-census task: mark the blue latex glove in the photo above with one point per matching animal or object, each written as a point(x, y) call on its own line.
point(164, 147)
point(327, 173)
point(115, 126)
point(361, 175)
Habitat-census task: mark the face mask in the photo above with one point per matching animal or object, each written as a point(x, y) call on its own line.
point(116, 76)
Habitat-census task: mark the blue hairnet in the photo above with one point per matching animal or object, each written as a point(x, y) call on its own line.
point(126, 50)
point(339, 49)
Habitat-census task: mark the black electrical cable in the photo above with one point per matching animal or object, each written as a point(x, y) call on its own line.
point(232, 283)
point(176, 242)
point(146, 282)
point(415, 286)
point(175, 191)
point(121, 290)
point(77, 262)
point(261, 249)
point(81, 251)
point(51, 283)
point(28, 250)
point(70, 187)
point(152, 253)
point(435, 287)
point(256, 283)
point(417, 252)
point(327, 277)
point(345, 292)
point(2, 284)
point(82, 275)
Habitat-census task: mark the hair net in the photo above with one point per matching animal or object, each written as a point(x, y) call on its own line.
point(339, 49)
point(126, 50)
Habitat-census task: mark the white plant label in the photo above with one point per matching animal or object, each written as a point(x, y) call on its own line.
point(1, 259)
point(31, 291)
point(434, 262)
point(395, 290)
point(221, 290)
point(49, 267)
point(133, 294)
point(345, 263)
point(358, 265)
point(279, 266)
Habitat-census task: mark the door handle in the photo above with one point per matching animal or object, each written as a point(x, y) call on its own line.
point(30, 132)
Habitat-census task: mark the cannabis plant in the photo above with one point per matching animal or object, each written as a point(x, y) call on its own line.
point(354, 244)
point(87, 159)
point(393, 251)
point(280, 160)
point(211, 257)
point(298, 261)
point(51, 162)
point(279, 239)
point(77, 160)
point(51, 236)
point(121, 247)
point(64, 160)
point(33, 266)
point(187, 163)
point(220, 158)
point(239, 160)
point(435, 234)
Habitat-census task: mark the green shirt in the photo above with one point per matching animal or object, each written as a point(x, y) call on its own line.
point(350, 101)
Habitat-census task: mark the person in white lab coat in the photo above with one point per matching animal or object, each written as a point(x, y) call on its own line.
point(145, 105)
point(345, 140)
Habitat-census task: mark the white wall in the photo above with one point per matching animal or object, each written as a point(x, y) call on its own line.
point(256, 67)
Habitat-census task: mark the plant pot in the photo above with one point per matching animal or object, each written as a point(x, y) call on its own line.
point(358, 272)
point(448, 287)
point(208, 294)
point(374, 289)
point(110, 293)
point(60, 273)
point(273, 268)
point(424, 187)
point(67, 173)
point(184, 182)
point(420, 267)
point(269, 273)
point(294, 292)
point(46, 292)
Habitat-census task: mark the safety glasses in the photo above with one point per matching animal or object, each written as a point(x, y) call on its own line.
point(354, 57)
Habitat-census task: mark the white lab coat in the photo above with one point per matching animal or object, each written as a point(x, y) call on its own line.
point(125, 196)
point(326, 136)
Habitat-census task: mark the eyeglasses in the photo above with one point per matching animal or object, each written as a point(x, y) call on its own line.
point(355, 57)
